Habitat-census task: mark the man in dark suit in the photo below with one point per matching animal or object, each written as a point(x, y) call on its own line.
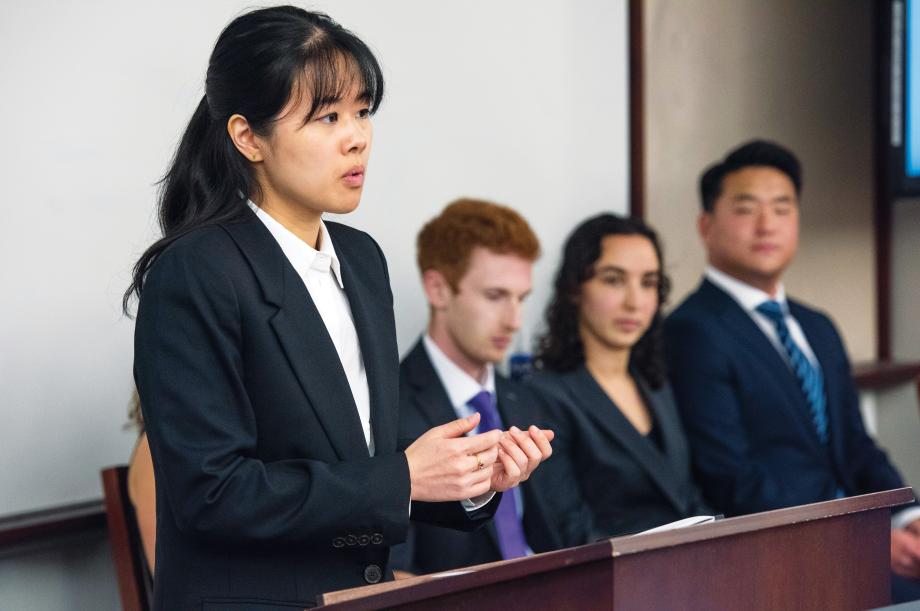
point(476, 260)
point(763, 382)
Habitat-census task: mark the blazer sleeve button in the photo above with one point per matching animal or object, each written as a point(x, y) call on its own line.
point(372, 573)
point(377, 539)
point(338, 542)
point(351, 540)
point(363, 540)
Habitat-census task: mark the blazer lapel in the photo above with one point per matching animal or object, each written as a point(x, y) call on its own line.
point(596, 402)
point(745, 330)
point(432, 401)
point(428, 392)
point(304, 338)
point(514, 410)
point(666, 419)
point(373, 320)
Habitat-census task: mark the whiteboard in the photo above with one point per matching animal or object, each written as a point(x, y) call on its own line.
point(523, 103)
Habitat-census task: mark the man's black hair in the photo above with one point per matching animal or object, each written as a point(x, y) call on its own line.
point(750, 154)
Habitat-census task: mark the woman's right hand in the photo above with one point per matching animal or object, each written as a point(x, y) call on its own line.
point(446, 466)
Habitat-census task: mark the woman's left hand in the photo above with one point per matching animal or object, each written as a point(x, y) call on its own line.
point(520, 452)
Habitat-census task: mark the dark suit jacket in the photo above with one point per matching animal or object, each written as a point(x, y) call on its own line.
point(612, 480)
point(265, 489)
point(754, 445)
point(424, 403)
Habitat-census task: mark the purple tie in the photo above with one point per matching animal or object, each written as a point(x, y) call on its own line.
point(507, 523)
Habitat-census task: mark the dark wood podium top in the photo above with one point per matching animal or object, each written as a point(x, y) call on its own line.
point(408, 591)
point(759, 521)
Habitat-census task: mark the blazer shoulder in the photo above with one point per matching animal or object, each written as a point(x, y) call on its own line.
point(550, 386)
point(815, 321)
point(210, 239)
point(694, 307)
point(801, 310)
point(203, 252)
point(415, 364)
point(358, 246)
point(353, 238)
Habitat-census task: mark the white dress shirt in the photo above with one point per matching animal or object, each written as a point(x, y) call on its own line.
point(749, 298)
point(321, 274)
point(461, 387)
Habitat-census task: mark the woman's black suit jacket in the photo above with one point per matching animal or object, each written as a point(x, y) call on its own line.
point(609, 480)
point(266, 493)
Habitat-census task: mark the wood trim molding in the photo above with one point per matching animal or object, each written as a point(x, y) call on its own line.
point(636, 109)
point(883, 189)
point(36, 525)
point(885, 374)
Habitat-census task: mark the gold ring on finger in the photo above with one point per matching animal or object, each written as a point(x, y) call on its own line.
point(479, 460)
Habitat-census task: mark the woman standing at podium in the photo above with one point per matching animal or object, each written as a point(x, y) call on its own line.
point(265, 349)
point(622, 463)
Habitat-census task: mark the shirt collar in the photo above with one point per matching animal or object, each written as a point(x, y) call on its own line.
point(747, 296)
point(301, 255)
point(460, 386)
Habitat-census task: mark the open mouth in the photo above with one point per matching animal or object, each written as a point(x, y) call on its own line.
point(354, 177)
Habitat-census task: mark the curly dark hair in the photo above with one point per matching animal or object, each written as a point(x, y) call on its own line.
point(560, 348)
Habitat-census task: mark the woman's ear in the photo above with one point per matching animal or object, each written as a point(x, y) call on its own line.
point(244, 139)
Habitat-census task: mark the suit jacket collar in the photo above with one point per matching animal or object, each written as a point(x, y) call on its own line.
point(742, 328)
point(305, 340)
point(367, 312)
point(427, 392)
point(431, 400)
point(661, 467)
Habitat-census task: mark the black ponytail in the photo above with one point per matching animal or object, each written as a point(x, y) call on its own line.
point(260, 61)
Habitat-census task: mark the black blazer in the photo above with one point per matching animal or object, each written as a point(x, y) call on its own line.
point(754, 445)
point(265, 489)
point(611, 479)
point(424, 403)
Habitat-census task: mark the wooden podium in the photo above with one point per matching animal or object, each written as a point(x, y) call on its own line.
point(831, 555)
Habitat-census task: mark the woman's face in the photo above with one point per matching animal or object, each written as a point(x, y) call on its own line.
point(318, 166)
point(617, 305)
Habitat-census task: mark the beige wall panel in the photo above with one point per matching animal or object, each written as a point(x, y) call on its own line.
point(719, 72)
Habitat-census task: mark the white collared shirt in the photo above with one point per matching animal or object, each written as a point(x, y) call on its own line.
point(749, 298)
point(460, 386)
point(322, 275)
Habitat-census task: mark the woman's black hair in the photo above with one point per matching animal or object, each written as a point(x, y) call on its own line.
point(261, 61)
point(560, 347)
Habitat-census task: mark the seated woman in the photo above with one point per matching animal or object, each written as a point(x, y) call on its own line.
point(620, 463)
point(141, 487)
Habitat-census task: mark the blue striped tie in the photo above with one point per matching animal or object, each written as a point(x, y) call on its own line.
point(810, 378)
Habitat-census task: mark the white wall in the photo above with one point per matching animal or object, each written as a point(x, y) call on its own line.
point(74, 573)
point(521, 102)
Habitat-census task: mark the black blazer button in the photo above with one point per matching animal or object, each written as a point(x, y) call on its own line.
point(372, 574)
point(338, 542)
point(377, 539)
point(351, 539)
point(363, 540)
